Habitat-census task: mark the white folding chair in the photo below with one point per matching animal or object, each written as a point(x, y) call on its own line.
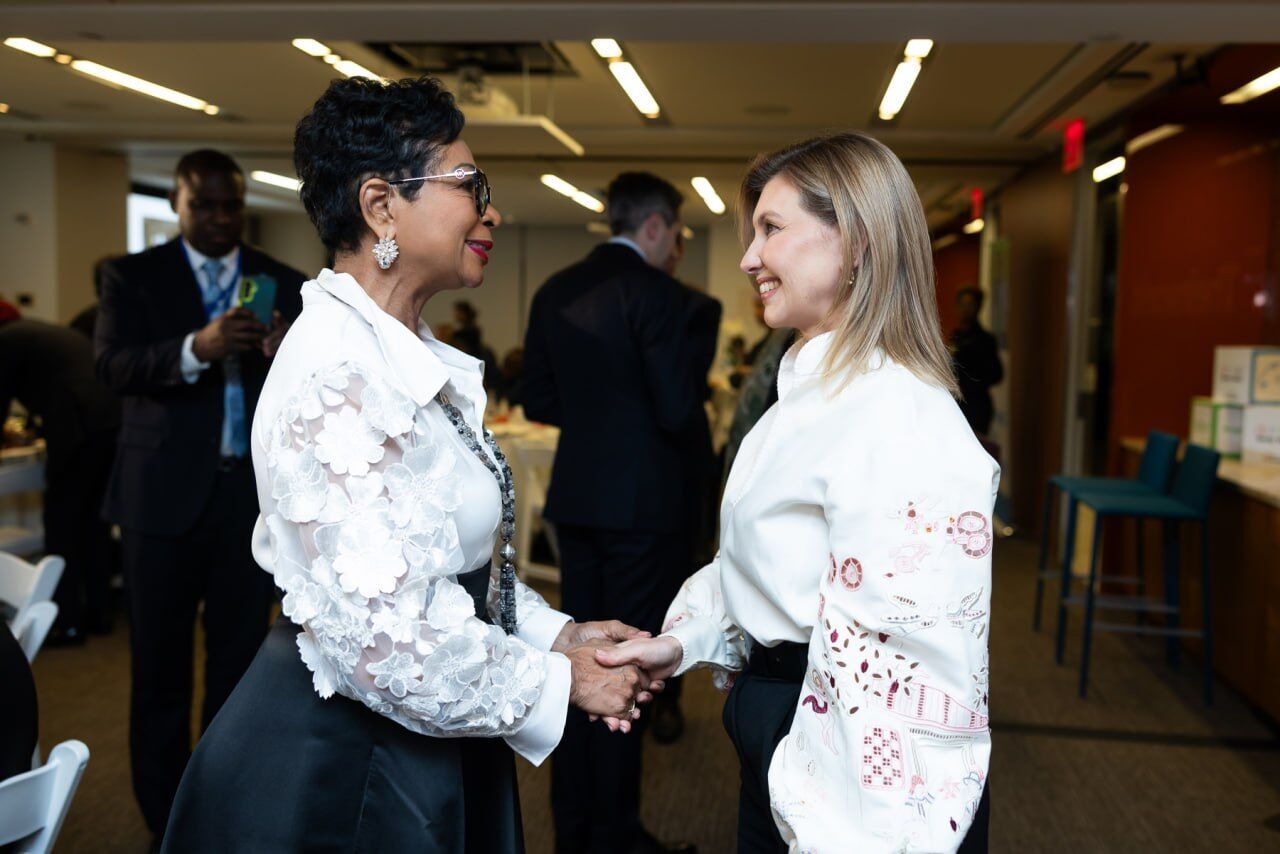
point(33, 805)
point(17, 479)
point(32, 627)
point(23, 584)
point(533, 458)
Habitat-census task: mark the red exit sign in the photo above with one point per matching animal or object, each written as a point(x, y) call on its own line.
point(1072, 146)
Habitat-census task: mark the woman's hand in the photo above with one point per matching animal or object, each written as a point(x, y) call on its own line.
point(575, 634)
point(657, 657)
point(606, 692)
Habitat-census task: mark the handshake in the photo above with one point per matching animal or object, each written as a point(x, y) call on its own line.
point(615, 668)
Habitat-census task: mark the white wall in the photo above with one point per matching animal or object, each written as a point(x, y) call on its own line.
point(28, 226)
point(290, 239)
point(92, 221)
point(727, 283)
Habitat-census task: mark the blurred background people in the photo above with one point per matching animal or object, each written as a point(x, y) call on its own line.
point(977, 361)
point(49, 370)
point(189, 365)
point(617, 354)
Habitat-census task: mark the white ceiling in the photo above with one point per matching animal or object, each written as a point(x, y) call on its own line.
point(987, 102)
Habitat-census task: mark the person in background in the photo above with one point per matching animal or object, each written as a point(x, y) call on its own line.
point(617, 354)
point(758, 390)
point(87, 319)
point(468, 338)
point(977, 361)
point(189, 365)
point(512, 375)
point(49, 370)
point(19, 714)
point(700, 469)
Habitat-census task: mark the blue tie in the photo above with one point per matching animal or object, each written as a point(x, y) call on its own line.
point(235, 429)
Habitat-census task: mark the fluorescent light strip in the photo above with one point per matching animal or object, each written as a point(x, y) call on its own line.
point(137, 84)
point(311, 47)
point(904, 77)
point(571, 192)
point(629, 79)
point(112, 76)
point(1110, 169)
point(1151, 137)
point(607, 48)
point(26, 45)
point(918, 48)
point(974, 226)
point(1258, 86)
point(271, 178)
point(354, 69)
point(709, 195)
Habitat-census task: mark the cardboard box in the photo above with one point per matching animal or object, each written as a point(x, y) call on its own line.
point(1246, 375)
point(1216, 425)
point(1260, 438)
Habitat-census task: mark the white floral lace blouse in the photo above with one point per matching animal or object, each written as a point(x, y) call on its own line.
point(859, 524)
point(371, 507)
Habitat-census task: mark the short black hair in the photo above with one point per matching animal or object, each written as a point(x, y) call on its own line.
point(467, 309)
point(978, 296)
point(360, 129)
point(636, 196)
point(206, 161)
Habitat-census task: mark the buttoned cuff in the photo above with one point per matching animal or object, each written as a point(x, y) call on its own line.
point(541, 628)
point(191, 367)
point(545, 723)
point(701, 640)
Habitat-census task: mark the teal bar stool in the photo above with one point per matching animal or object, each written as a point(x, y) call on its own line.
point(1154, 473)
point(1188, 501)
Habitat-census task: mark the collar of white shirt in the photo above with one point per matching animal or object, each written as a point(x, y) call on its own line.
point(197, 260)
point(421, 370)
point(627, 241)
point(806, 359)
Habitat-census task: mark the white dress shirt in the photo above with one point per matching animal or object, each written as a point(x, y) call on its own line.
point(191, 366)
point(859, 523)
point(371, 507)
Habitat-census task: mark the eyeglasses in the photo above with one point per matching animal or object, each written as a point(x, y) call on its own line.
point(481, 193)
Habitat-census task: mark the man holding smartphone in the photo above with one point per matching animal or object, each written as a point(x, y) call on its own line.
point(189, 362)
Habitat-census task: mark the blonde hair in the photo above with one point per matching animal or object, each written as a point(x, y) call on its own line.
point(859, 187)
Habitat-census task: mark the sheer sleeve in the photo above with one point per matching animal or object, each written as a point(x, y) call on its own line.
point(708, 636)
point(363, 542)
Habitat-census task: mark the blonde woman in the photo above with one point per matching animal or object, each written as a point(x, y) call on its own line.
point(849, 605)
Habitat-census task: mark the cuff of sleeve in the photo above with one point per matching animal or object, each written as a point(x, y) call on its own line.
point(701, 639)
point(191, 366)
point(545, 724)
point(541, 628)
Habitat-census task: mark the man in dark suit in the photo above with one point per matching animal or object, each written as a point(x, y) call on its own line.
point(189, 366)
point(49, 370)
point(616, 355)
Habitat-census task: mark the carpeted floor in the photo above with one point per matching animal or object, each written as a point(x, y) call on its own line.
point(1139, 766)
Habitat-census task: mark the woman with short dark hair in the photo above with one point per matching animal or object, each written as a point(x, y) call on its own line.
point(382, 500)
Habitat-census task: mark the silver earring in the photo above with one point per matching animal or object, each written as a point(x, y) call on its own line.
point(386, 251)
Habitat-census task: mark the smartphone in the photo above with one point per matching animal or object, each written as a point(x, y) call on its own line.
point(258, 294)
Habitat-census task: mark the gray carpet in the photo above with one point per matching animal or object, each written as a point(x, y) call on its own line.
point(1139, 766)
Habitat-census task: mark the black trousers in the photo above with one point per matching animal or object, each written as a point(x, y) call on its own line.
point(758, 715)
point(595, 774)
point(19, 718)
point(74, 529)
point(167, 579)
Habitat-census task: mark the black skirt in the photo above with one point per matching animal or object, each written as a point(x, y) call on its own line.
point(281, 770)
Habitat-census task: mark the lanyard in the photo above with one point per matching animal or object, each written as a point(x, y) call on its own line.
point(214, 302)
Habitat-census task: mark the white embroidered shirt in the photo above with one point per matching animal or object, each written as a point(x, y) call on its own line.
point(859, 523)
point(371, 506)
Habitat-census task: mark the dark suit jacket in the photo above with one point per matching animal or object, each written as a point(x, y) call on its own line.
point(616, 355)
point(49, 369)
point(171, 430)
